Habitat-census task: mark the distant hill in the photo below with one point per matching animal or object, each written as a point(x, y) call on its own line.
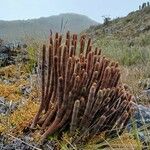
point(40, 28)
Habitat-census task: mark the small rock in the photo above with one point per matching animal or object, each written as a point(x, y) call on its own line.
point(142, 119)
point(7, 107)
point(25, 90)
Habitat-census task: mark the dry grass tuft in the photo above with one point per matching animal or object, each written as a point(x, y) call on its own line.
point(19, 119)
point(23, 116)
point(10, 92)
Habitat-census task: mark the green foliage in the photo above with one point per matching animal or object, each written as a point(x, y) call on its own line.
point(135, 134)
point(125, 39)
point(122, 52)
point(144, 40)
point(53, 137)
point(32, 52)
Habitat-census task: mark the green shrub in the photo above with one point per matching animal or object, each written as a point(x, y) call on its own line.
point(120, 51)
point(32, 52)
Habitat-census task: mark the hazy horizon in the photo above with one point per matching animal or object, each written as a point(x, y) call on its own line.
point(50, 16)
point(23, 10)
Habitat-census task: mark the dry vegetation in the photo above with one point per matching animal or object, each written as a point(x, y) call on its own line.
point(107, 94)
point(134, 61)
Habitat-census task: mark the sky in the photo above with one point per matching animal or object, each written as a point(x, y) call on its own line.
point(95, 9)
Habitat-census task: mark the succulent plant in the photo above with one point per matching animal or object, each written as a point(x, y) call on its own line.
point(81, 89)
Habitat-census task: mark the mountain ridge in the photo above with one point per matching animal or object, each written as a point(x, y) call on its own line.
point(40, 27)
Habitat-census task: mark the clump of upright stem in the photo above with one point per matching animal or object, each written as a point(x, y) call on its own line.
point(80, 88)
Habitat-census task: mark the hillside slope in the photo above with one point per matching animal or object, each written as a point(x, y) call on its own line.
point(39, 28)
point(126, 39)
point(131, 26)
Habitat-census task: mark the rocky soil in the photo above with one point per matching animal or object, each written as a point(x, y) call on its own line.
point(8, 107)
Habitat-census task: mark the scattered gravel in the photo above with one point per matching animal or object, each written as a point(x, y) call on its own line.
point(25, 90)
point(16, 143)
point(7, 107)
point(24, 143)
